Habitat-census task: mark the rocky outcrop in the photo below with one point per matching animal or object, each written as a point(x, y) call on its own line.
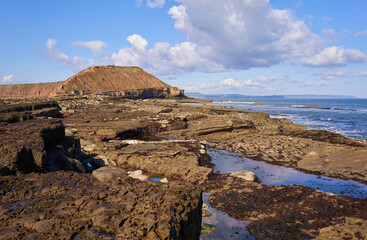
point(22, 112)
point(123, 138)
point(172, 160)
point(32, 141)
point(129, 82)
point(68, 205)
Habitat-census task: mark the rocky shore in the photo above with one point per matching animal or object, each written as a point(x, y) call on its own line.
point(48, 151)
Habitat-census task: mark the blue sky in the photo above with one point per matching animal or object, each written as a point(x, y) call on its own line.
point(249, 47)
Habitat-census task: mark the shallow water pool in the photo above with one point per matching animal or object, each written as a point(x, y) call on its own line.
point(226, 226)
point(269, 174)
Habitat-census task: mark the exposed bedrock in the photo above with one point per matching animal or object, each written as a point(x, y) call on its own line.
point(288, 212)
point(26, 111)
point(117, 135)
point(38, 146)
point(69, 205)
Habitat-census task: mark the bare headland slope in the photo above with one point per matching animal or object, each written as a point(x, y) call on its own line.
point(112, 80)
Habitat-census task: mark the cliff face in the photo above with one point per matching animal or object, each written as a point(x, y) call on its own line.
point(111, 80)
point(28, 90)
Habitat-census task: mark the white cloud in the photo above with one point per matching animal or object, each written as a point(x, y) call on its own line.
point(250, 82)
point(152, 3)
point(221, 36)
point(8, 78)
point(361, 33)
point(164, 59)
point(53, 55)
point(243, 34)
point(137, 41)
point(331, 74)
point(94, 46)
point(317, 84)
point(258, 85)
point(333, 57)
point(230, 82)
point(50, 44)
point(155, 3)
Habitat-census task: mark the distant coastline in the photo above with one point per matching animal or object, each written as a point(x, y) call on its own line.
point(307, 96)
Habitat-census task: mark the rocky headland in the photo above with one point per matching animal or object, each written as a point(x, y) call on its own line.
point(102, 166)
point(131, 82)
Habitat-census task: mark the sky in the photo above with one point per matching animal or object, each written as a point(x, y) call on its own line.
point(251, 47)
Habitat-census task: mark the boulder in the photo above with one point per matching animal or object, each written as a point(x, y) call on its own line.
point(246, 175)
point(108, 174)
point(138, 174)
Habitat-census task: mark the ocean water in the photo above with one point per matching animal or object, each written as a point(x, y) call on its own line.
point(345, 116)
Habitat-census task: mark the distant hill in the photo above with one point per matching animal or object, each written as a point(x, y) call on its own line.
point(111, 80)
point(195, 95)
point(219, 96)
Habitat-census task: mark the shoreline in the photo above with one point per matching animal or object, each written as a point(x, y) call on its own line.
point(105, 127)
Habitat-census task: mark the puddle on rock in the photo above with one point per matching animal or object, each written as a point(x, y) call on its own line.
point(268, 174)
point(155, 179)
point(226, 227)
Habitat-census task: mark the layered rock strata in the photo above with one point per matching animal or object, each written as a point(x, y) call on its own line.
point(130, 82)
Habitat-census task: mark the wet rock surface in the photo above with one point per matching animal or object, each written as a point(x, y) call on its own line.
point(120, 135)
point(68, 205)
point(286, 212)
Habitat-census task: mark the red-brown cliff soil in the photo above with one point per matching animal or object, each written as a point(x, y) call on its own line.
point(112, 80)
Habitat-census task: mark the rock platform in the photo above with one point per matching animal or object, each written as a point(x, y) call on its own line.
point(166, 139)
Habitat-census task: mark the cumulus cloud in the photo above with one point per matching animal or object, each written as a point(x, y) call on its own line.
point(221, 36)
point(95, 46)
point(8, 78)
point(50, 44)
point(250, 82)
point(244, 34)
point(361, 33)
point(331, 74)
point(333, 57)
point(258, 85)
point(137, 41)
point(317, 84)
point(230, 82)
point(152, 3)
point(155, 3)
point(164, 59)
point(73, 63)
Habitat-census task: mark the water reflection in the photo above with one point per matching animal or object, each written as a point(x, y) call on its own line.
point(277, 175)
point(226, 227)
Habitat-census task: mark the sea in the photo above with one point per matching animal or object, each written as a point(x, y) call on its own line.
point(344, 116)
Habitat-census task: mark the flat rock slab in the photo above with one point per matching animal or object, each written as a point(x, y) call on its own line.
point(172, 160)
point(68, 205)
point(286, 212)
